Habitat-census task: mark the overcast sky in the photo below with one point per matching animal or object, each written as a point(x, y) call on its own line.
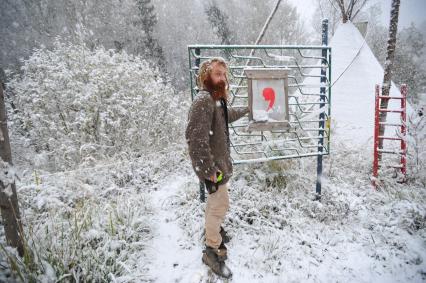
point(409, 11)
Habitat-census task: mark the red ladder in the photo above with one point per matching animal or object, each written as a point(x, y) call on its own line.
point(401, 138)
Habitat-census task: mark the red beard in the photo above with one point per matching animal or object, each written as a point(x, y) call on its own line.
point(218, 90)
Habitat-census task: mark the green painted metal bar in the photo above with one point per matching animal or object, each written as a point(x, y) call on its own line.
point(190, 74)
point(329, 100)
point(321, 115)
point(309, 47)
point(202, 184)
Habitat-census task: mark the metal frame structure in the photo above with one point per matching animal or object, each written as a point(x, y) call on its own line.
point(309, 75)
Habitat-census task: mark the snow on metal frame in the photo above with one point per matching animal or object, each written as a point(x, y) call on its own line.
point(301, 140)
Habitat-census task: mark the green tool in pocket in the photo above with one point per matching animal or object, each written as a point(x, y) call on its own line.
point(212, 187)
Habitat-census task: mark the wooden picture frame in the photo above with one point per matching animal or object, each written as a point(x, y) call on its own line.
point(273, 76)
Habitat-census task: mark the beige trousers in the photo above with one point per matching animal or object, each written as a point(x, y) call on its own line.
point(216, 208)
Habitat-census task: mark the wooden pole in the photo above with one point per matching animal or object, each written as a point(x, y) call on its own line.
point(259, 39)
point(8, 196)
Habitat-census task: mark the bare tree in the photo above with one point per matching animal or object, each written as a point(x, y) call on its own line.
point(147, 20)
point(393, 28)
point(219, 21)
point(350, 10)
point(326, 9)
point(337, 11)
point(8, 197)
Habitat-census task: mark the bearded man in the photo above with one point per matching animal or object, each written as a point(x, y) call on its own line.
point(207, 135)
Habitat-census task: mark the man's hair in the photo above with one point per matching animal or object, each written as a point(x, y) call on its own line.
point(206, 68)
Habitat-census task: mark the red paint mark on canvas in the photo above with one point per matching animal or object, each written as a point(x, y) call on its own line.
point(269, 95)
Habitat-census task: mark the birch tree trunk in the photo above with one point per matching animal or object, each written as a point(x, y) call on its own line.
point(393, 28)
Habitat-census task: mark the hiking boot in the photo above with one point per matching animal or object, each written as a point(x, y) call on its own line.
point(215, 259)
point(222, 252)
point(224, 235)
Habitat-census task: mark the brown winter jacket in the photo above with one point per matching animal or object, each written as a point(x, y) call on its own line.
point(206, 136)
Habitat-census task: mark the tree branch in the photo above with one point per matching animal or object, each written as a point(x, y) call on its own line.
point(359, 9)
point(332, 4)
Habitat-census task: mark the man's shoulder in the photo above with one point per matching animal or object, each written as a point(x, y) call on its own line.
point(204, 95)
point(204, 98)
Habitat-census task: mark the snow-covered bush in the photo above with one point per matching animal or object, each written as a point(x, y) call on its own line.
point(80, 105)
point(416, 140)
point(98, 239)
point(90, 224)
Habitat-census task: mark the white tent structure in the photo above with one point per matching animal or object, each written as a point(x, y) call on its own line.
point(355, 72)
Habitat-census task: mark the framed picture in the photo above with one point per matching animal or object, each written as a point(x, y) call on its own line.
point(268, 98)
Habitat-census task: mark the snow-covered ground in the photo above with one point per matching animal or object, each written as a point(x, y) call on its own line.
point(355, 234)
point(142, 221)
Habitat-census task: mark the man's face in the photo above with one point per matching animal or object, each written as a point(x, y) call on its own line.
point(216, 81)
point(218, 73)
